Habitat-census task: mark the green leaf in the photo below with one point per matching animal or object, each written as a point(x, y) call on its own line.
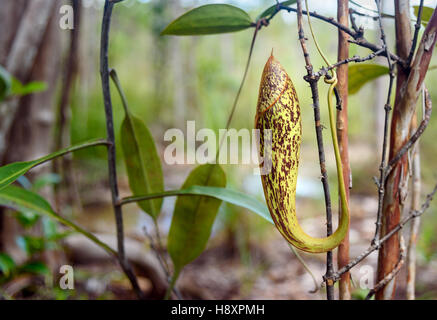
point(272, 9)
point(31, 245)
point(142, 162)
point(7, 264)
point(27, 218)
point(11, 172)
point(360, 74)
point(36, 267)
point(19, 89)
point(141, 157)
point(209, 19)
point(360, 294)
point(426, 14)
point(193, 217)
point(5, 83)
point(234, 197)
point(231, 196)
point(24, 200)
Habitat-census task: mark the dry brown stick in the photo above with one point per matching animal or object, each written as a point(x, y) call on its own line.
point(357, 33)
point(387, 109)
point(357, 36)
point(416, 33)
point(361, 14)
point(343, 141)
point(414, 227)
point(312, 80)
point(357, 59)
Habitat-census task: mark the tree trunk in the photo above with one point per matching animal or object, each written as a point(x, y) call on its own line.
point(342, 133)
point(409, 84)
point(389, 253)
point(31, 53)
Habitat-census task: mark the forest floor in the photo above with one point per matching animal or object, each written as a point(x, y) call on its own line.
point(267, 269)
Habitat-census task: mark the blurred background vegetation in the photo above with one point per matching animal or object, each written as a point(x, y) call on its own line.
point(170, 80)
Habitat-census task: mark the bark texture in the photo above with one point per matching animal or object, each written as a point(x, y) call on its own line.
point(409, 83)
point(343, 142)
point(30, 51)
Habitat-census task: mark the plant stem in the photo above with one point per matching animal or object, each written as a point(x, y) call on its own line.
point(174, 278)
point(318, 126)
point(104, 72)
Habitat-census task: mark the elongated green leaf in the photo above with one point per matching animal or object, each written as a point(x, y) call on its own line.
point(24, 200)
point(193, 217)
point(209, 19)
point(360, 74)
point(7, 264)
point(231, 196)
point(27, 218)
point(141, 157)
point(272, 9)
point(426, 13)
point(30, 244)
point(142, 162)
point(11, 172)
point(36, 267)
point(5, 83)
point(19, 89)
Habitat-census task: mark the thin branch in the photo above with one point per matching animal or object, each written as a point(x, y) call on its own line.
point(383, 15)
point(163, 263)
point(357, 36)
point(313, 80)
point(410, 143)
point(387, 109)
point(362, 7)
point(413, 214)
point(306, 267)
point(104, 72)
point(357, 59)
point(156, 250)
point(353, 12)
point(354, 23)
point(416, 33)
